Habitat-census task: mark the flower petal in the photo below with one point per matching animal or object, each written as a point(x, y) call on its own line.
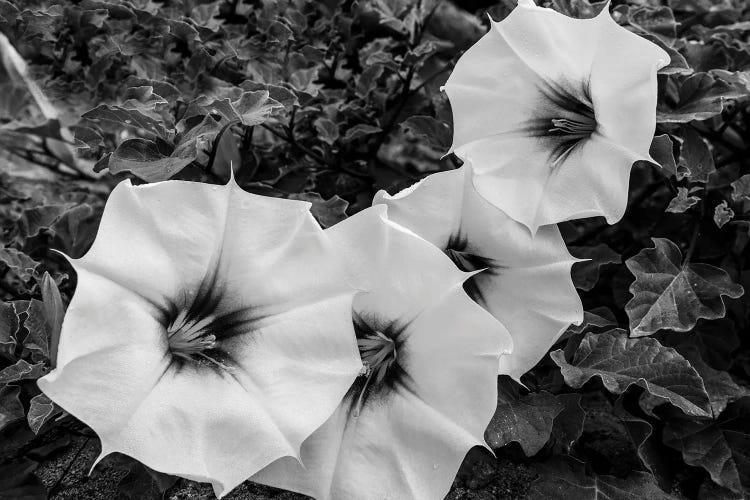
point(409, 441)
point(383, 256)
point(591, 180)
point(533, 92)
point(265, 284)
point(93, 363)
point(527, 284)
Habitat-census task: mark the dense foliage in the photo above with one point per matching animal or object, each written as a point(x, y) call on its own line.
point(331, 101)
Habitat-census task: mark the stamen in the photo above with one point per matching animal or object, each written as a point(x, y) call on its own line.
point(189, 338)
point(578, 129)
point(378, 353)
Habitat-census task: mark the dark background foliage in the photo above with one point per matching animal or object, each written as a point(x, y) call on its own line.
point(329, 101)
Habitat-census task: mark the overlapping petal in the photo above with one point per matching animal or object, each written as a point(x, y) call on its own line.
point(405, 433)
point(553, 111)
point(525, 279)
point(210, 332)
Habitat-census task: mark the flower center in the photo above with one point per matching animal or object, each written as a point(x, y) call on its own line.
point(190, 339)
point(580, 127)
point(378, 354)
point(465, 261)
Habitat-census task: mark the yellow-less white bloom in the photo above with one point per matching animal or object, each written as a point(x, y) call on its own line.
point(429, 388)
point(522, 279)
point(210, 332)
point(553, 111)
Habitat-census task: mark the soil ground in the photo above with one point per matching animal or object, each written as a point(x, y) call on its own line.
point(501, 479)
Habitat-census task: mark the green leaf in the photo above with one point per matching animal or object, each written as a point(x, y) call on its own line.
point(586, 274)
point(40, 411)
point(720, 386)
point(54, 311)
point(37, 339)
point(566, 477)
point(328, 131)
point(580, 9)
point(437, 133)
point(695, 156)
point(11, 408)
point(698, 97)
point(280, 94)
point(682, 202)
point(8, 328)
point(658, 21)
point(143, 483)
point(255, 107)
point(360, 130)
point(21, 370)
point(145, 159)
point(647, 445)
point(128, 118)
point(670, 295)
point(717, 341)
point(621, 362)
point(327, 212)
point(599, 317)
point(34, 220)
point(718, 446)
point(568, 424)
point(722, 214)
point(662, 151)
point(741, 188)
point(527, 419)
point(21, 265)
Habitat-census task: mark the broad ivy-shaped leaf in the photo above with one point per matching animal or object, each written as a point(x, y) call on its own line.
point(39, 333)
point(720, 386)
point(717, 341)
point(36, 219)
point(8, 329)
point(682, 202)
point(697, 97)
point(670, 295)
point(695, 156)
point(327, 212)
point(566, 477)
point(741, 188)
point(20, 264)
point(597, 318)
point(586, 273)
point(722, 214)
point(11, 408)
point(436, 132)
point(568, 424)
point(720, 446)
point(127, 117)
point(526, 419)
point(21, 370)
point(662, 151)
point(620, 362)
point(41, 409)
point(648, 447)
point(153, 161)
point(147, 160)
